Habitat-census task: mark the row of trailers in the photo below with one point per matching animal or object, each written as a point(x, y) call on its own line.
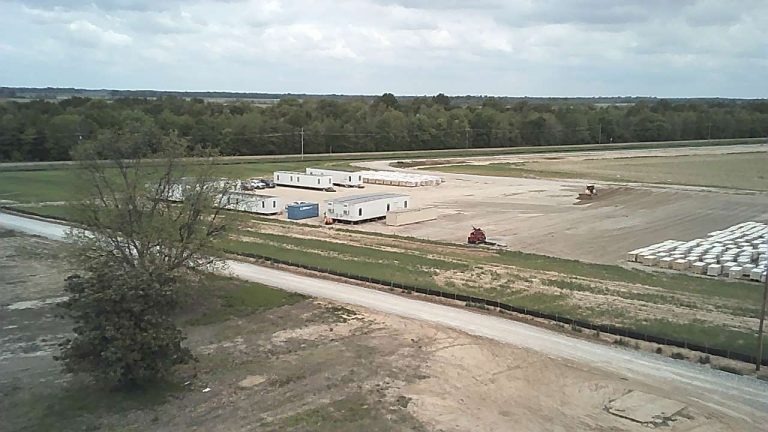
point(319, 179)
point(350, 209)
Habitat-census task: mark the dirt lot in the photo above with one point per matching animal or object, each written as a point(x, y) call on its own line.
point(543, 215)
point(308, 366)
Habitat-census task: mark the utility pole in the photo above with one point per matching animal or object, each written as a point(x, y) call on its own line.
point(600, 133)
point(302, 143)
point(760, 327)
point(466, 137)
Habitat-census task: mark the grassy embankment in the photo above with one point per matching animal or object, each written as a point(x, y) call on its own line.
point(736, 171)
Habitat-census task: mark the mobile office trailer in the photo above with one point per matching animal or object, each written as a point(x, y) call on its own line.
point(303, 180)
point(341, 178)
point(251, 203)
point(359, 208)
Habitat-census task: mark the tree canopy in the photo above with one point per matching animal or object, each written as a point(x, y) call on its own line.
point(41, 131)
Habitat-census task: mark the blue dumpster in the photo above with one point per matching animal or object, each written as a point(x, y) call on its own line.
point(303, 211)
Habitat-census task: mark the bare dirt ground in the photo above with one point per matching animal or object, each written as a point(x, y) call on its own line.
point(543, 216)
point(311, 366)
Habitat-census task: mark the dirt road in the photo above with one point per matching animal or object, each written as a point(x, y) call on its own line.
point(739, 399)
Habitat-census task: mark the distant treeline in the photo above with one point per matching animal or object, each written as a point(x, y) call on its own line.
point(43, 131)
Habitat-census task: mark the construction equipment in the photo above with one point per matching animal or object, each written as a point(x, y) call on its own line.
point(477, 237)
point(328, 220)
point(588, 193)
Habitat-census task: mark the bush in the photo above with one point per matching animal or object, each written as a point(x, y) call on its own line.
point(704, 359)
point(124, 335)
point(659, 350)
point(678, 356)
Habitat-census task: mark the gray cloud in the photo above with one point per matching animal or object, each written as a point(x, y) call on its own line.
point(525, 47)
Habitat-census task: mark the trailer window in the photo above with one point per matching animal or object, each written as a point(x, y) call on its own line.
point(405, 205)
point(263, 204)
point(387, 207)
point(359, 212)
point(318, 181)
point(274, 204)
point(350, 178)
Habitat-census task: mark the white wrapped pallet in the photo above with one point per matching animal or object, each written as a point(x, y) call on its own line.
point(714, 270)
point(735, 272)
point(680, 264)
point(699, 267)
point(666, 262)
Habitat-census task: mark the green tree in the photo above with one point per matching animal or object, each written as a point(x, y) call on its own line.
point(139, 254)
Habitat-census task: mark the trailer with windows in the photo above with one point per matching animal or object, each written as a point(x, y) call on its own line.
point(365, 207)
point(251, 203)
point(340, 178)
point(304, 180)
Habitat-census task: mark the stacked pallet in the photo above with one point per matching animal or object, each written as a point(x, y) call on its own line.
point(394, 178)
point(738, 252)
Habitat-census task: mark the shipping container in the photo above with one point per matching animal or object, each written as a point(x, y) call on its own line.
point(251, 203)
point(303, 180)
point(298, 211)
point(359, 208)
point(340, 178)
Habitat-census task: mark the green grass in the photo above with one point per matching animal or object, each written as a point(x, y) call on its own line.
point(736, 170)
point(426, 154)
point(60, 212)
point(39, 186)
point(228, 298)
point(78, 406)
point(411, 267)
point(741, 291)
point(398, 272)
point(706, 335)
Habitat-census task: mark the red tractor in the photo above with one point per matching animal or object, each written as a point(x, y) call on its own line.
point(477, 236)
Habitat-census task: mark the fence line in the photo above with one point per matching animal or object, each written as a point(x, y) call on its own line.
point(602, 328)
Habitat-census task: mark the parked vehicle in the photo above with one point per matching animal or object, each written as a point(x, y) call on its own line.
point(267, 182)
point(252, 184)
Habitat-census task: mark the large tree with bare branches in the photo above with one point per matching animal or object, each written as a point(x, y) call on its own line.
point(152, 217)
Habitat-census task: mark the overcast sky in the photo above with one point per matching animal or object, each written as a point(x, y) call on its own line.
point(666, 48)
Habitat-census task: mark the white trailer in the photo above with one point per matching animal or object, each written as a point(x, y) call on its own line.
point(359, 208)
point(341, 178)
point(251, 203)
point(303, 180)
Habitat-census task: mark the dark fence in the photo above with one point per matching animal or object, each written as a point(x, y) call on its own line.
point(602, 328)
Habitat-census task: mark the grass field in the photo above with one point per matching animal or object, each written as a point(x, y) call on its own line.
point(708, 311)
point(64, 184)
point(737, 170)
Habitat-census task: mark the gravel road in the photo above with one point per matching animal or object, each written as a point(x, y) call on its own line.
point(732, 395)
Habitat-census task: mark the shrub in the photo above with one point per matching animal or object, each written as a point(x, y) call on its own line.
point(124, 335)
point(678, 356)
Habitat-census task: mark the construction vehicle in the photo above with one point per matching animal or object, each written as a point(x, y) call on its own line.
point(327, 220)
point(588, 193)
point(477, 237)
